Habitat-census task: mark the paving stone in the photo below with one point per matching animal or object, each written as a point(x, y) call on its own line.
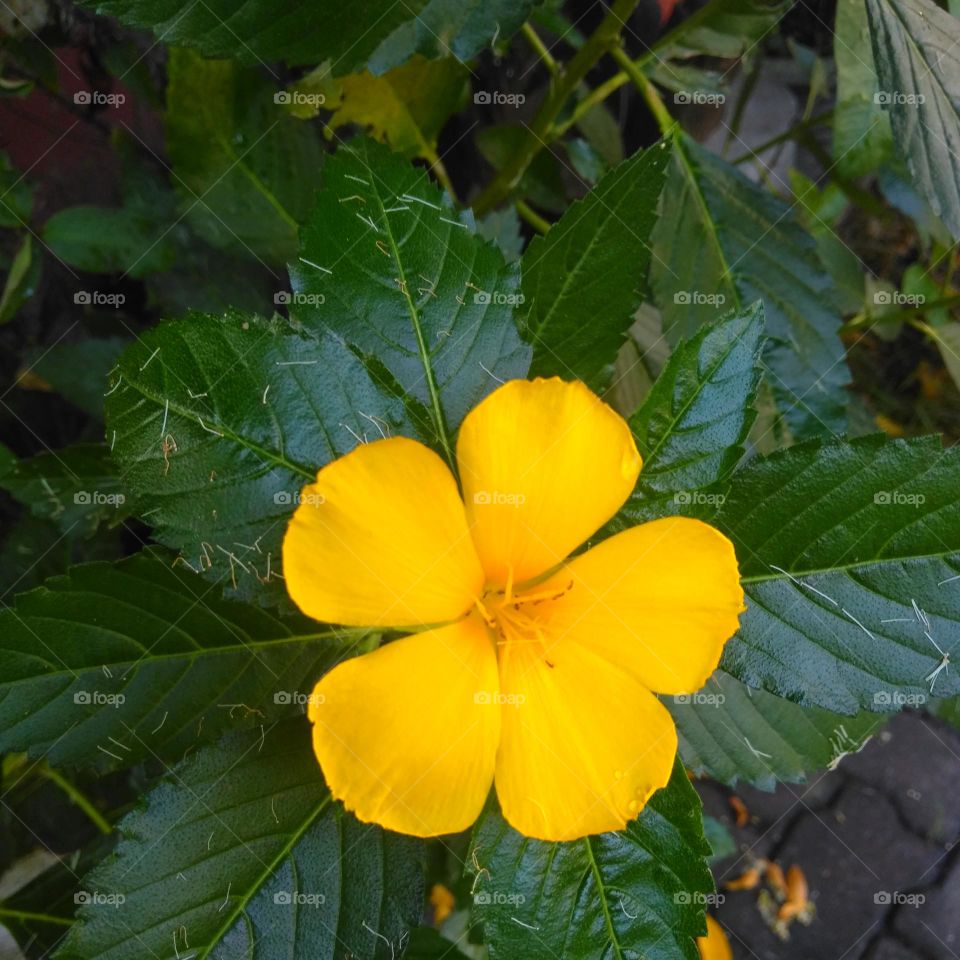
point(850, 864)
point(771, 814)
point(934, 925)
point(914, 760)
point(888, 949)
point(789, 798)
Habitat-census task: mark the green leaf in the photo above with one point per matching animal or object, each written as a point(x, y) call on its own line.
point(586, 162)
point(209, 280)
point(76, 487)
point(217, 423)
point(502, 227)
point(110, 664)
point(388, 264)
point(639, 362)
point(104, 240)
point(861, 130)
point(732, 733)
point(406, 107)
point(727, 29)
point(722, 844)
point(78, 370)
point(542, 183)
point(310, 31)
point(244, 168)
point(240, 851)
point(820, 212)
point(21, 280)
point(7, 460)
point(602, 134)
point(691, 427)
point(948, 710)
point(947, 338)
point(728, 242)
point(917, 50)
point(592, 264)
point(637, 892)
point(32, 549)
point(16, 195)
point(425, 943)
point(836, 543)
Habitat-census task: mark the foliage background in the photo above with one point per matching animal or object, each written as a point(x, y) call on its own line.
point(771, 294)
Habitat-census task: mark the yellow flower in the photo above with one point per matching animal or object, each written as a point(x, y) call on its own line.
point(715, 945)
point(529, 669)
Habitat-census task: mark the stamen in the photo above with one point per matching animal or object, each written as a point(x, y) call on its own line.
point(543, 595)
point(488, 619)
point(508, 591)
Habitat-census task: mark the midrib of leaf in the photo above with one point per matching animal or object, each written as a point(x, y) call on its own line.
point(357, 634)
point(601, 891)
point(856, 564)
point(264, 876)
point(437, 410)
point(701, 386)
point(568, 279)
point(277, 458)
point(920, 54)
point(934, 80)
point(258, 184)
point(844, 567)
point(707, 216)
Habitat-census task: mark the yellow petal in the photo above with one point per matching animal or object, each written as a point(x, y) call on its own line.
point(543, 465)
point(660, 599)
point(583, 746)
point(407, 735)
point(381, 540)
point(714, 946)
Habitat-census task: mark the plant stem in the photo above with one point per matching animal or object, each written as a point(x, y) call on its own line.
point(540, 48)
point(907, 315)
point(77, 797)
point(800, 127)
point(646, 88)
point(532, 217)
point(568, 80)
point(595, 96)
point(614, 83)
point(38, 917)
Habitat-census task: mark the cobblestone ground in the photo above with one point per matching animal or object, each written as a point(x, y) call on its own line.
point(877, 842)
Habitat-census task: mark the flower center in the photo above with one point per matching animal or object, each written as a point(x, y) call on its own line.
point(512, 617)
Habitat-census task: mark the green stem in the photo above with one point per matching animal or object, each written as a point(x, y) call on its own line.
point(568, 80)
point(77, 797)
point(532, 217)
point(863, 198)
point(596, 96)
point(907, 314)
point(540, 49)
point(615, 82)
point(38, 917)
point(800, 127)
point(496, 191)
point(429, 375)
point(646, 88)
